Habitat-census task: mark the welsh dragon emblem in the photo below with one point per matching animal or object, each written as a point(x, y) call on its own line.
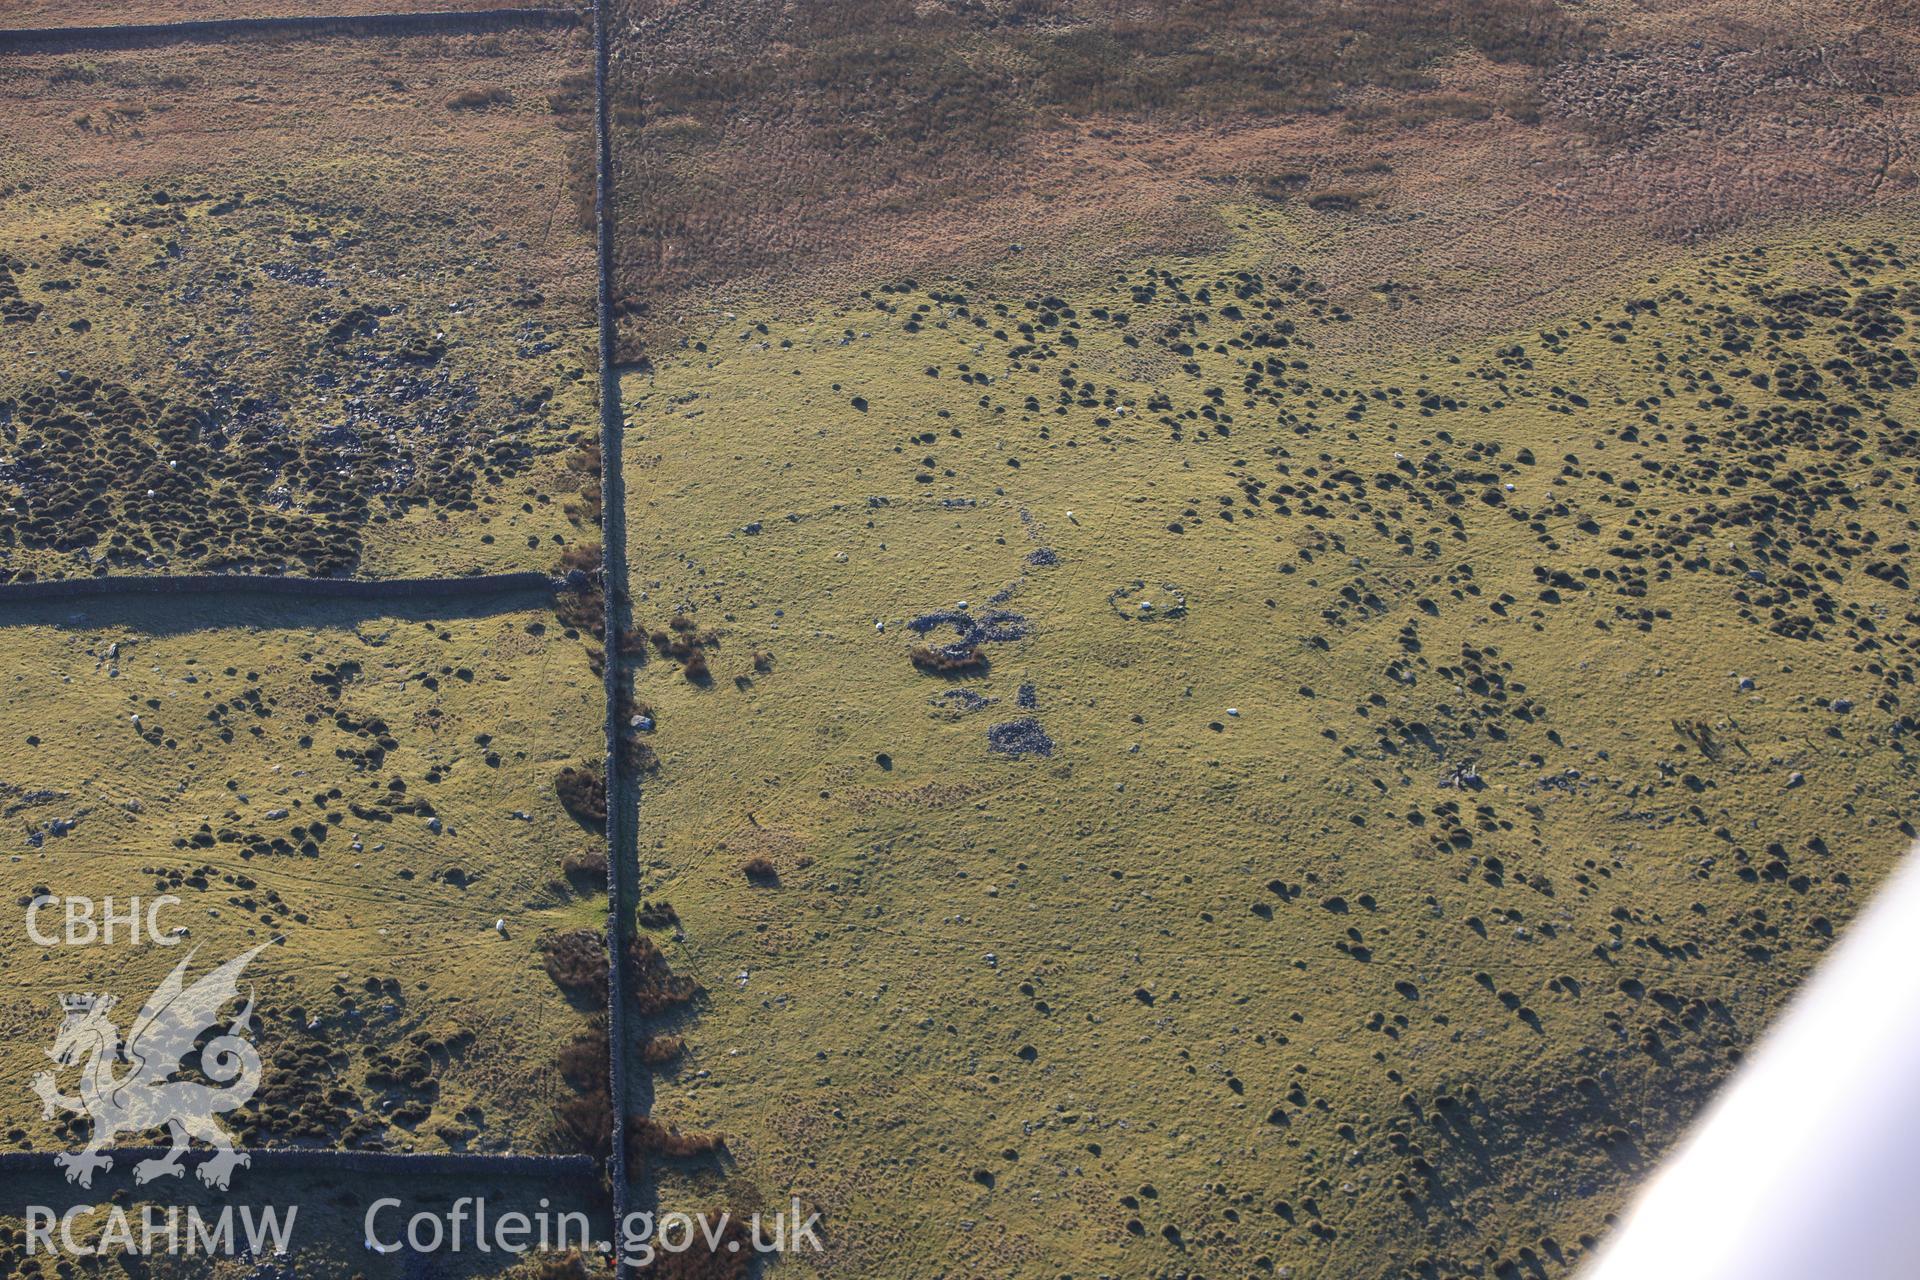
point(143, 1097)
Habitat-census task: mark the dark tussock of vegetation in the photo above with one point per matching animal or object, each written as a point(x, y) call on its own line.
point(583, 793)
point(684, 642)
point(584, 468)
point(657, 915)
point(584, 1123)
point(590, 868)
point(657, 1051)
point(947, 658)
point(582, 611)
point(1337, 201)
point(649, 1137)
point(480, 99)
point(706, 1261)
point(567, 1266)
point(577, 963)
point(655, 987)
point(583, 1060)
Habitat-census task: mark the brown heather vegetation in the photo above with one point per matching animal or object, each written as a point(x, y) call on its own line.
point(657, 915)
point(577, 963)
point(764, 147)
point(702, 1263)
point(683, 641)
point(639, 757)
point(584, 794)
point(584, 464)
point(887, 109)
point(947, 658)
point(567, 1266)
point(583, 1061)
point(590, 867)
point(648, 1137)
point(658, 1051)
point(584, 1121)
point(655, 987)
point(884, 114)
point(478, 99)
point(90, 13)
point(583, 612)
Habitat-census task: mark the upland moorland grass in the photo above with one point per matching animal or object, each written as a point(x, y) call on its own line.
point(1410, 784)
point(369, 791)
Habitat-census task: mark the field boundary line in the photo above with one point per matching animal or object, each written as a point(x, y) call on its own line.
point(276, 584)
point(623, 859)
point(22, 39)
point(324, 1160)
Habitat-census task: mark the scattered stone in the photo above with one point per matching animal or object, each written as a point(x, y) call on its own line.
point(961, 701)
point(1020, 738)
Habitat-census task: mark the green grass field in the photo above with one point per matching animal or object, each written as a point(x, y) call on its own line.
point(1374, 804)
point(371, 791)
